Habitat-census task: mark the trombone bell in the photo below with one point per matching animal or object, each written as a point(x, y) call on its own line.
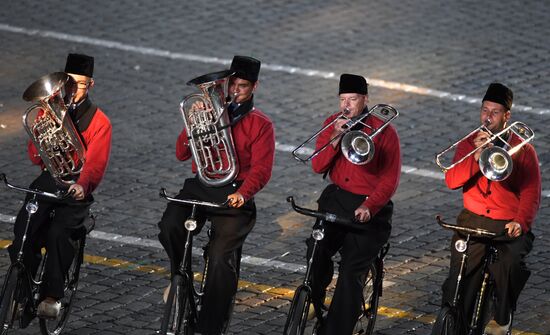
point(495, 163)
point(357, 147)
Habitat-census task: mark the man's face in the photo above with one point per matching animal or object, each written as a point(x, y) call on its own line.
point(83, 84)
point(240, 89)
point(353, 102)
point(496, 114)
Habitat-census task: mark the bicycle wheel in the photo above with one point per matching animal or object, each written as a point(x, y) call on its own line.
point(371, 294)
point(177, 310)
point(448, 322)
point(8, 303)
point(55, 326)
point(297, 315)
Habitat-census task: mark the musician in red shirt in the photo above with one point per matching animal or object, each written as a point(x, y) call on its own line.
point(360, 191)
point(509, 204)
point(254, 140)
point(94, 128)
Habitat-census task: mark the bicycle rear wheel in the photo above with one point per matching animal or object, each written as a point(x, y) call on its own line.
point(8, 303)
point(177, 317)
point(55, 326)
point(371, 294)
point(297, 315)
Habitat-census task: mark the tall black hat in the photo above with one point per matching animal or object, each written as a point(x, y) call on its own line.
point(351, 83)
point(500, 94)
point(246, 68)
point(80, 64)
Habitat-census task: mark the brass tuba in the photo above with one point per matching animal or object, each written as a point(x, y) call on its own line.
point(51, 129)
point(209, 131)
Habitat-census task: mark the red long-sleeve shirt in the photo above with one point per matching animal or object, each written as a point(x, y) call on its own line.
point(98, 147)
point(254, 140)
point(516, 198)
point(377, 179)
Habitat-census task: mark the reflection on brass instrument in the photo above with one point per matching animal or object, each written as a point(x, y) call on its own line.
point(356, 145)
point(494, 162)
point(208, 129)
point(51, 128)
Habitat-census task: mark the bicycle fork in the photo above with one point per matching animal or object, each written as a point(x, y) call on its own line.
point(481, 295)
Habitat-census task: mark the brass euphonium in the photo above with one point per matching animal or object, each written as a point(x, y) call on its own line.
point(206, 120)
point(51, 129)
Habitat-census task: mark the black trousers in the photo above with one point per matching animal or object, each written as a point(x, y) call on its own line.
point(509, 271)
point(52, 227)
point(358, 250)
point(230, 227)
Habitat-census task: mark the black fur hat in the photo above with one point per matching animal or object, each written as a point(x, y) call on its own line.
point(80, 64)
point(246, 68)
point(500, 94)
point(351, 83)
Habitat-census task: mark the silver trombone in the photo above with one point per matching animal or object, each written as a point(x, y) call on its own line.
point(356, 145)
point(494, 162)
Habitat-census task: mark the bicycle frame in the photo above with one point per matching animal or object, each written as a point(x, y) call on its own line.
point(301, 303)
point(30, 285)
point(461, 246)
point(185, 270)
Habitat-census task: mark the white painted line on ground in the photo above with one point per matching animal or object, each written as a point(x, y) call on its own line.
point(7, 218)
point(143, 242)
point(265, 66)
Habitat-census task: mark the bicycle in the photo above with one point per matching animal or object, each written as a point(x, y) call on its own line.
point(450, 319)
point(184, 298)
point(21, 289)
point(372, 289)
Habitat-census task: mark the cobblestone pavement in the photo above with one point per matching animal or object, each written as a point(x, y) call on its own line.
point(146, 51)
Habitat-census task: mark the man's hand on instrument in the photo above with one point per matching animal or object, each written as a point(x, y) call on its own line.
point(514, 229)
point(339, 127)
point(362, 214)
point(199, 105)
point(78, 191)
point(480, 139)
point(236, 200)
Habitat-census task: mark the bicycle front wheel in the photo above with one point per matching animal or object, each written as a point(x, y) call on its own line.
point(371, 294)
point(297, 315)
point(177, 317)
point(8, 304)
point(55, 326)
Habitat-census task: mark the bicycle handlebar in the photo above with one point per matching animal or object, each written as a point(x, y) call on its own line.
point(192, 201)
point(328, 217)
point(478, 232)
point(59, 195)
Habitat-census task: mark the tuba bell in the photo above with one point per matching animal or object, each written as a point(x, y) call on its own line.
point(51, 129)
point(209, 131)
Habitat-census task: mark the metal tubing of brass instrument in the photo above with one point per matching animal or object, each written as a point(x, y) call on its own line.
point(314, 136)
point(387, 114)
point(519, 128)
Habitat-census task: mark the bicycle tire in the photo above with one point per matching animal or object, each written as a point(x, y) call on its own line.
point(297, 315)
point(448, 322)
point(372, 285)
point(56, 326)
point(7, 302)
point(177, 310)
